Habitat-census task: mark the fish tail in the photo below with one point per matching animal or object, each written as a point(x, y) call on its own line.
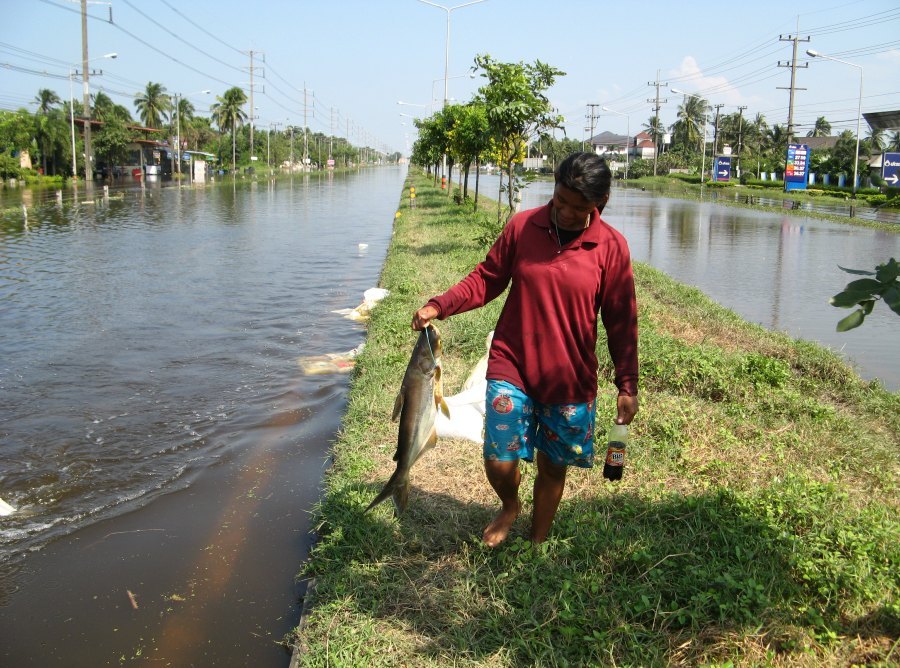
point(398, 488)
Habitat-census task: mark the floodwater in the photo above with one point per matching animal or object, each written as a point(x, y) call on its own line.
point(161, 441)
point(774, 269)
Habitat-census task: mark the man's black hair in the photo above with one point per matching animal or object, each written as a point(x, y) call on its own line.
point(585, 173)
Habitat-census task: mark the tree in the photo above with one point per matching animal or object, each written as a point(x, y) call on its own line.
point(105, 109)
point(470, 140)
point(228, 113)
point(111, 142)
point(44, 122)
point(152, 104)
point(843, 154)
point(893, 143)
point(517, 107)
point(822, 128)
point(687, 130)
point(16, 132)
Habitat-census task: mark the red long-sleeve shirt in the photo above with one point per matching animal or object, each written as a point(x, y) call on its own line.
point(545, 339)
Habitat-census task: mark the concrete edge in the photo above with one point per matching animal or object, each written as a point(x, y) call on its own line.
point(297, 651)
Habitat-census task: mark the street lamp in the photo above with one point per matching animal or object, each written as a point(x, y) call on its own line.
point(705, 123)
point(628, 131)
point(72, 71)
point(449, 11)
point(815, 54)
point(178, 125)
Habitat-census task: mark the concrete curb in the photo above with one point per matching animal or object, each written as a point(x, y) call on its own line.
point(297, 651)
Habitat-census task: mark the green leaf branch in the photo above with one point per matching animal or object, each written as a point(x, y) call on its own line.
point(866, 291)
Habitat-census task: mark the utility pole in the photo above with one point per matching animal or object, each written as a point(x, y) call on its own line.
point(793, 65)
point(740, 145)
point(656, 102)
point(716, 131)
point(252, 108)
point(88, 167)
point(591, 117)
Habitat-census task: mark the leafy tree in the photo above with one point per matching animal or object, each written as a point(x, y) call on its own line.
point(111, 142)
point(822, 128)
point(517, 107)
point(866, 291)
point(16, 132)
point(470, 141)
point(229, 115)
point(843, 154)
point(152, 104)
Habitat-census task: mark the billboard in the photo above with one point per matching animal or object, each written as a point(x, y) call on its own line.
point(723, 168)
point(796, 171)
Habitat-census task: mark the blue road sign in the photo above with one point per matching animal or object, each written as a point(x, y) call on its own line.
point(890, 169)
point(723, 168)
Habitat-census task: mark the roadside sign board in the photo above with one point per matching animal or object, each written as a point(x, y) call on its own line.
point(796, 170)
point(723, 168)
point(890, 169)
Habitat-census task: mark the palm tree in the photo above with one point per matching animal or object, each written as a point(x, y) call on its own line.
point(692, 116)
point(152, 104)
point(46, 101)
point(104, 109)
point(894, 141)
point(822, 128)
point(228, 113)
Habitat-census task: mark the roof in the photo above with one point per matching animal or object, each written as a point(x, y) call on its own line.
point(883, 120)
point(607, 138)
point(817, 143)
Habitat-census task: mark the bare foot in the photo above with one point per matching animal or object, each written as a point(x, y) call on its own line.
point(497, 531)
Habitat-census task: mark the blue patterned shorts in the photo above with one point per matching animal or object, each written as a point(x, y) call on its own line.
point(514, 426)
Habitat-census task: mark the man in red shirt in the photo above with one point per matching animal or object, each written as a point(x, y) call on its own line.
point(564, 265)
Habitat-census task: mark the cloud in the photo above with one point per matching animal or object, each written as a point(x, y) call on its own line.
point(717, 89)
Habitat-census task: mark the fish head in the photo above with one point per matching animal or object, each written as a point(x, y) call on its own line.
point(427, 353)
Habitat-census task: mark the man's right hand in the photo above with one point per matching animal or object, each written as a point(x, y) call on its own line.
point(423, 316)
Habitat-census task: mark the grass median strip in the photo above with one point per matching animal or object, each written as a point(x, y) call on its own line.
point(756, 522)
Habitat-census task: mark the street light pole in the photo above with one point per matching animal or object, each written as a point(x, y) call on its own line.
point(705, 123)
point(178, 97)
point(815, 54)
point(449, 11)
point(628, 138)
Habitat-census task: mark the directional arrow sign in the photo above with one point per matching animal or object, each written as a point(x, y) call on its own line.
point(723, 168)
point(890, 168)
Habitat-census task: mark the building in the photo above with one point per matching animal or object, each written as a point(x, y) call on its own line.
point(640, 146)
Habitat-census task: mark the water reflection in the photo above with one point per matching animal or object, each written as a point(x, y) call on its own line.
point(773, 269)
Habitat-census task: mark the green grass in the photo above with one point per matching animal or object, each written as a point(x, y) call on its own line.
point(756, 523)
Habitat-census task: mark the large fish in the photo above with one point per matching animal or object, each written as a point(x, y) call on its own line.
point(421, 395)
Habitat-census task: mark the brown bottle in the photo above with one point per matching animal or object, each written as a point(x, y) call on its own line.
point(615, 452)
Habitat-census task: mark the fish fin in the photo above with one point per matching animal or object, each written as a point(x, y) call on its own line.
point(439, 393)
point(398, 406)
point(400, 498)
point(394, 487)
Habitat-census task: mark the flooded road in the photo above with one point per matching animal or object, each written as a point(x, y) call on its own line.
point(161, 441)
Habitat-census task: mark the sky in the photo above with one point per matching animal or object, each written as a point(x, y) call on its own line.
point(341, 66)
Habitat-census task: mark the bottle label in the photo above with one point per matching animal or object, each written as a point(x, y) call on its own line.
point(615, 454)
